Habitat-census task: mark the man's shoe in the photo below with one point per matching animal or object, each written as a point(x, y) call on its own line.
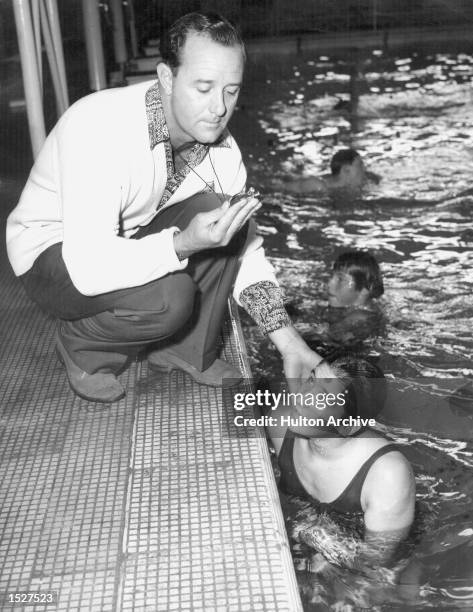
point(219, 374)
point(98, 387)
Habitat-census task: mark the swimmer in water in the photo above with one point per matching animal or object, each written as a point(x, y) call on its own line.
point(353, 313)
point(347, 175)
point(342, 465)
point(355, 285)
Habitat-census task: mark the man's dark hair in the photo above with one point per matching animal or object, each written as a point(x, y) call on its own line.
point(364, 269)
point(367, 388)
point(212, 25)
point(344, 157)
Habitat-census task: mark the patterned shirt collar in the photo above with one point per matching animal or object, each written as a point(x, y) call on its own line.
point(157, 128)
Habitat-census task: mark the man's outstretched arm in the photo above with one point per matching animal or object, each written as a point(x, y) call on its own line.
point(264, 302)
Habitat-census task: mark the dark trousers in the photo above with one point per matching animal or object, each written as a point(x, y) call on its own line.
point(184, 309)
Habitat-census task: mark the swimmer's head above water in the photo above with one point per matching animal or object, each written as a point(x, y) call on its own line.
point(356, 279)
point(359, 391)
point(347, 170)
point(366, 385)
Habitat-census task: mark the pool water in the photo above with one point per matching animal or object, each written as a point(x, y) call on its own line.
point(414, 128)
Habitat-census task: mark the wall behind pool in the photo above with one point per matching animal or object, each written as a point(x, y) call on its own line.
point(262, 49)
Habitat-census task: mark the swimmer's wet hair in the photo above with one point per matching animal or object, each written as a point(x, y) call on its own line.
point(344, 157)
point(364, 269)
point(366, 385)
point(212, 25)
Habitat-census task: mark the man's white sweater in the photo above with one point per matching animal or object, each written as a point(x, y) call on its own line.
point(99, 177)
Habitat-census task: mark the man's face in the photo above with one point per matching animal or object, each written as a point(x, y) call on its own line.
point(205, 90)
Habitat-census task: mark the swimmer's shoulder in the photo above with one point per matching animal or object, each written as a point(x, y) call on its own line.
point(357, 316)
point(373, 177)
point(366, 310)
point(393, 460)
point(390, 478)
point(356, 323)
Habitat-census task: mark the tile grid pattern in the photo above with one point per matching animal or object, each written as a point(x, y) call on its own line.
point(153, 503)
point(63, 469)
point(205, 529)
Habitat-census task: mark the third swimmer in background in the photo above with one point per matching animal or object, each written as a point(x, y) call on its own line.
point(347, 175)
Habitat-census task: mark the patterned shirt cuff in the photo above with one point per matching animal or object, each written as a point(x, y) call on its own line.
point(263, 301)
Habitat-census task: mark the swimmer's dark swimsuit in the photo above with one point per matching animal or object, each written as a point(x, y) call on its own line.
point(348, 501)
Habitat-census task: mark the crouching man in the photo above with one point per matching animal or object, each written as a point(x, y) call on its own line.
point(125, 231)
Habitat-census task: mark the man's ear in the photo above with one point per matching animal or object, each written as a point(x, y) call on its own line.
point(165, 77)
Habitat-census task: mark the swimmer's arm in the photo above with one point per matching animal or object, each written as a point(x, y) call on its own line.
point(303, 185)
point(388, 500)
